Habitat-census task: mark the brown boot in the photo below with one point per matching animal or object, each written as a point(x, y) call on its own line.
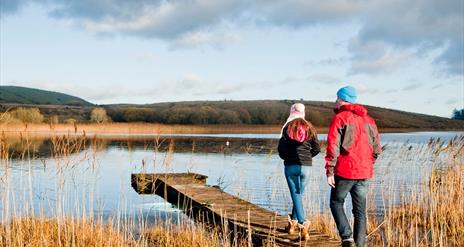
point(292, 226)
point(304, 230)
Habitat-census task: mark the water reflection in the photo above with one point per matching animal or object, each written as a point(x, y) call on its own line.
point(39, 147)
point(78, 175)
point(48, 147)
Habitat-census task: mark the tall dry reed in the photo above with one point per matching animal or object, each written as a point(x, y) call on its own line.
point(431, 215)
point(66, 224)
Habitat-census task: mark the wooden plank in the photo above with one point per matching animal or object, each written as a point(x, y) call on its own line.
point(210, 204)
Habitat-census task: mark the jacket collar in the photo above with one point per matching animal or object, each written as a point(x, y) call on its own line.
point(354, 108)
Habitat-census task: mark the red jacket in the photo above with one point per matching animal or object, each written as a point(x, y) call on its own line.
point(352, 143)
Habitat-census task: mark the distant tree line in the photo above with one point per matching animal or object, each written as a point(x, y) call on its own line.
point(259, 113)
point(33, 115)
point(216, 112)
point(200, 115)
point(168, 114)
point(458, 114)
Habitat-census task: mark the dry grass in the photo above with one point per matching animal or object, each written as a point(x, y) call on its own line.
point(189, 235)
point(21, 227)
point(150, 128)
point(434, 218)
point(431, 216)
point(134, 128)
point(49, 232)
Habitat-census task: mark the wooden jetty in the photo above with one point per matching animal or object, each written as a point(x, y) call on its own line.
point(211, 205)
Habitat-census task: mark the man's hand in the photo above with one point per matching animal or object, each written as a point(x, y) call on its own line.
point(331, 181)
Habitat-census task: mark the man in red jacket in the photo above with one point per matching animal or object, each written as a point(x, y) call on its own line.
point(352, 147)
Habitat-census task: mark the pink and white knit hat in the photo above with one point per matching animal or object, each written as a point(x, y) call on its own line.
point(297, 110)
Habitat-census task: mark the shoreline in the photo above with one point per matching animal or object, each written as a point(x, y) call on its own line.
point(149, 129)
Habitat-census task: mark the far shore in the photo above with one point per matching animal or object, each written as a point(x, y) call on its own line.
point(160, 129)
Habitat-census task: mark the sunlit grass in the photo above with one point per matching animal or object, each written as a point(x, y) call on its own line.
point(134, 128)
point(38, 231)
point(49, 232)
point(43, 129)
point(22, 226)
point(429, 215)
point(432, 215)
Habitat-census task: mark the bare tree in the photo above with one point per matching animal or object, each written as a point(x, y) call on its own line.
point(98, 115)
point(27, 115)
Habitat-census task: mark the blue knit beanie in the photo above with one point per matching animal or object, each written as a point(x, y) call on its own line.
point(348, 94)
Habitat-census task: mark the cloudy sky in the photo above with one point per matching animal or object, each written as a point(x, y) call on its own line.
point(399, 54)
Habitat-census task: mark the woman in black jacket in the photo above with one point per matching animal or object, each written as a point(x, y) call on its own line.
point(297, 146)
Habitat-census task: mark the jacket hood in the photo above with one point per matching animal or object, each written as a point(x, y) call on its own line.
point(355, 108)
point(289, 119)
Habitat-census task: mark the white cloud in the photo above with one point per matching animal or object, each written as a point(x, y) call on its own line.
point(329, 62)
point(424, 25)
point(304, 13)
point(404, 28)
point(363, 89)
point(376, 58)
point(412, 86)
point(324, 78)
point(192, 84)
point(169, 20)
point(200, 38)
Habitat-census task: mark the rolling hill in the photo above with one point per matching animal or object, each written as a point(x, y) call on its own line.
point(24, 95)
point(257, 112)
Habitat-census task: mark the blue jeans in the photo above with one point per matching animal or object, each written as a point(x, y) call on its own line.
point(297, 178)
point(358, 191)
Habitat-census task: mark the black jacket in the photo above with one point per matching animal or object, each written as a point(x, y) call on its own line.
point(294, 152)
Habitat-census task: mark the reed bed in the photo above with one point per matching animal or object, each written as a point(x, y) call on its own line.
point(424, 212)
point(133, 129)
point(46, 130)
point(49, 232)
point(38, 231)
point(77, 224)
point(429, 215)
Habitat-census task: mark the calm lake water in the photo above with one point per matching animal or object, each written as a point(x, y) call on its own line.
point(96, 178)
